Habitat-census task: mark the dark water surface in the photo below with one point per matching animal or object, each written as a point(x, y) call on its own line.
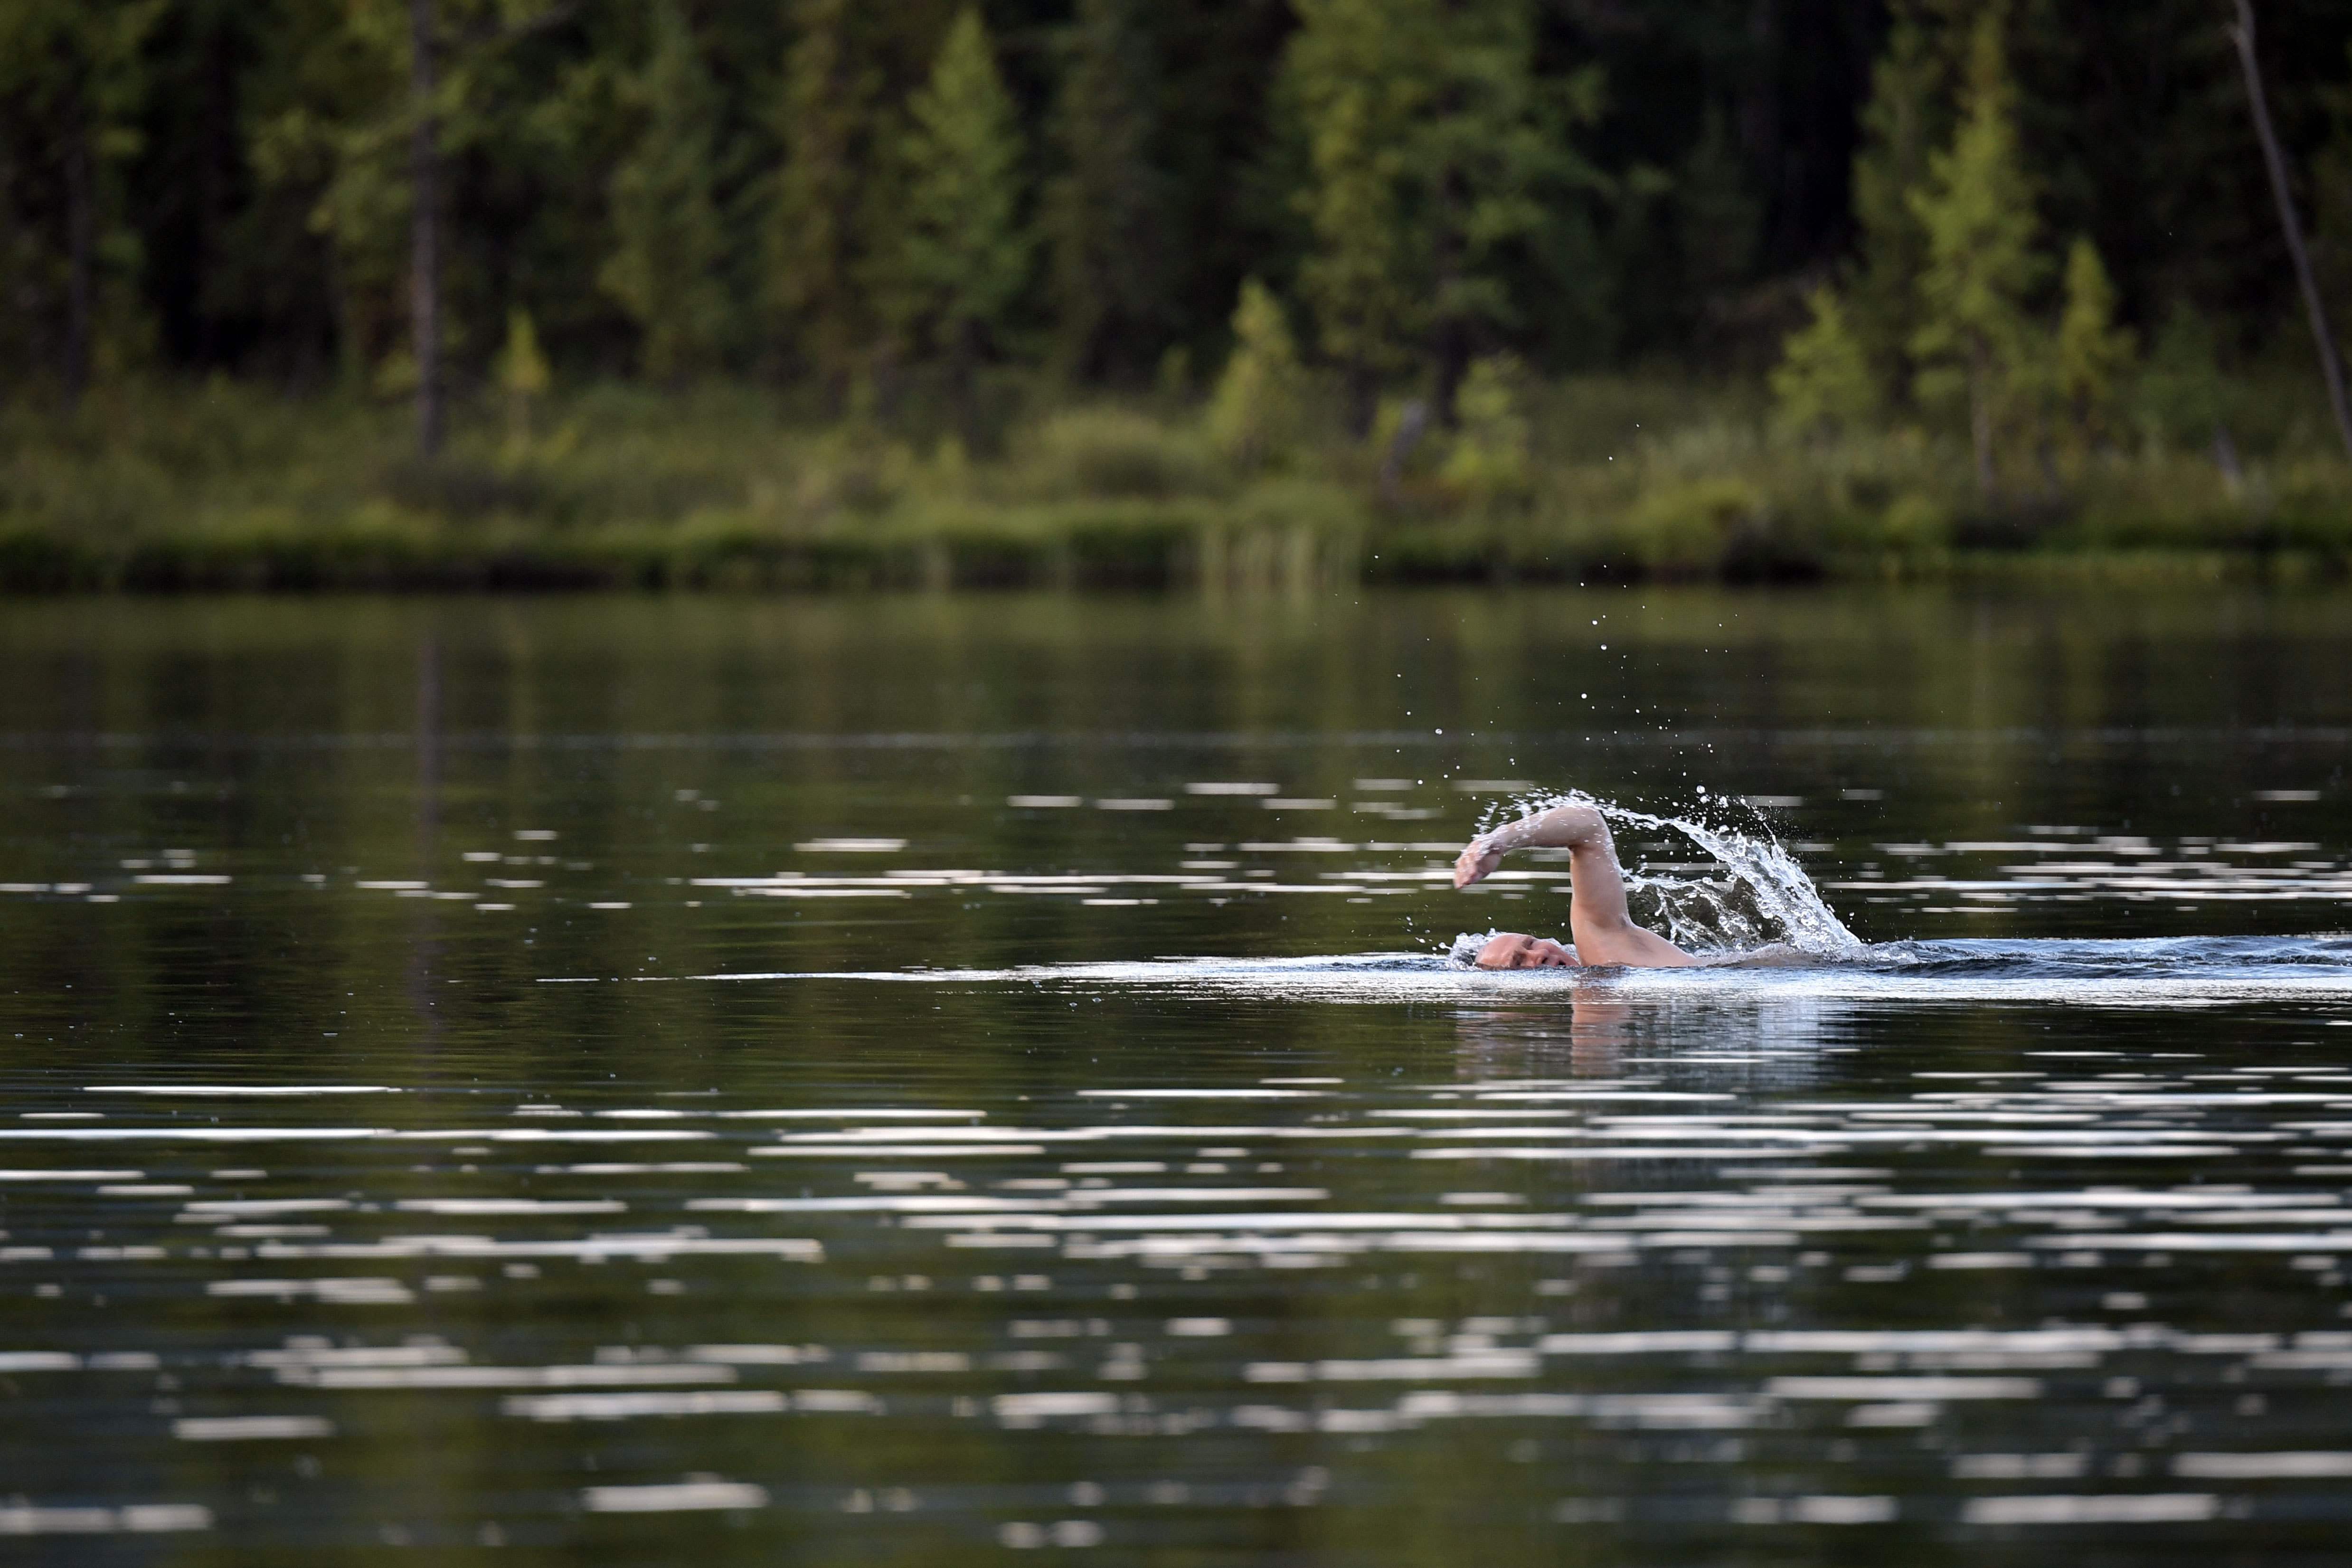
point(911, 1081)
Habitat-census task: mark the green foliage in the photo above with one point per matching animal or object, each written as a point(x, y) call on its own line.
point(1434, 151)
point(1906, 117)
point(2183, 395)
point(523, 376)
point(1409, 184)
point(1490, 158)
point(1489, 461)
point(1106, 214)
point(1111, 454)
point(1823, 381)
point(966, 252)
point(1977, 210)
point(819, 252)
point(1721, 215)
point(1254, 416)
point(73, 72)
point(2095, 354)
point(1685, 530)
point(663, 269)
point(1356, 70)
point(226, 486)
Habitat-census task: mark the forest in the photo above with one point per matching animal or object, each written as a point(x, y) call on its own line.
point(414, 292)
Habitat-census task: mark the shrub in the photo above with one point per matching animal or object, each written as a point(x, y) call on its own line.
point(1488, 462)
point(1111, 454)
point(1254, 416)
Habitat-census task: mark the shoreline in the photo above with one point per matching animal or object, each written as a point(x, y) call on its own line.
point(1116, 557)
point(158, 488)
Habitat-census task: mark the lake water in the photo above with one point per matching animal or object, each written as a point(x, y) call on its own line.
point(926, 1081)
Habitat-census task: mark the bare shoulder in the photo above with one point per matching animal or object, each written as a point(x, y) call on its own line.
point(1632, 945)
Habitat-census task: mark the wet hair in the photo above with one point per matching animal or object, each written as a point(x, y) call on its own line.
point(1463, 953)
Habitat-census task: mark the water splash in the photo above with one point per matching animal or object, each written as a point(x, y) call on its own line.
point(1762, 895)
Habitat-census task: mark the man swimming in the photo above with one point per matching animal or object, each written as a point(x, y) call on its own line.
point(1597, 918)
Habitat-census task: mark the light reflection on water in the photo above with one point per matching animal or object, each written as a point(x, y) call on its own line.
point(667, 1148)
point(1127, 1261)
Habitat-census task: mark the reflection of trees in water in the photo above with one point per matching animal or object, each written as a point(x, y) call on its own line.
point(1752, 1043)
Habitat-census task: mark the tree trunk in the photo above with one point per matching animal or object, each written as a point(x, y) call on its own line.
point(81, 246)
point(424, 229)
point(2330, 367)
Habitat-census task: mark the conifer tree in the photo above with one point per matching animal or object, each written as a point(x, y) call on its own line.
point(2095, 354)
point(1488, 161)
point(663, 269)
point(1106, 214)
point(1721, 215)
point(1253, 412)
point(1488, 460)
point(1356, 71)
point(1978, 213)
point(818, 261)
point(966, 254)
point(1433, 152)
point(1824, 381)
point(523, 374)
point(1904, 120)
point(2184, 393)
point(74, 67)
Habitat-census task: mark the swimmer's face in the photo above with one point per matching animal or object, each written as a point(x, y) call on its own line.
point(1512, 951)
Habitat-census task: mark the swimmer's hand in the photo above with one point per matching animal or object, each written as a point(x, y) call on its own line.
point(1563, 827)
point(1478, 859)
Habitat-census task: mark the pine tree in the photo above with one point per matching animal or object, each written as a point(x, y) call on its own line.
point(1978, 213)
point(1905, 118)
point(1357, 72)
point(817, 257)
point(523, 376)
point(1434, 153)
point(73, 67)
point(965, 256)
point(1489, 460)
point(669, 248)
point(1106, 214)
point(1722, 214)
point(1489, 160)
point(2095, 354)
point(1824, 381)
point(1253, 414)
point(2183, 393)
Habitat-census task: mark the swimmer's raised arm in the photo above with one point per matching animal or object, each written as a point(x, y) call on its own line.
point(1598, 920)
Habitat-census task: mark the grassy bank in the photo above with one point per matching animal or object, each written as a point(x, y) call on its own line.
point(225, 485)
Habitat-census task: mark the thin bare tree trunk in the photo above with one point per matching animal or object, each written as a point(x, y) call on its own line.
point(424, 229)
point(2330, 366)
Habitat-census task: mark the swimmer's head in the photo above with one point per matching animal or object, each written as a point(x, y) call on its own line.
point(1512, 951)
